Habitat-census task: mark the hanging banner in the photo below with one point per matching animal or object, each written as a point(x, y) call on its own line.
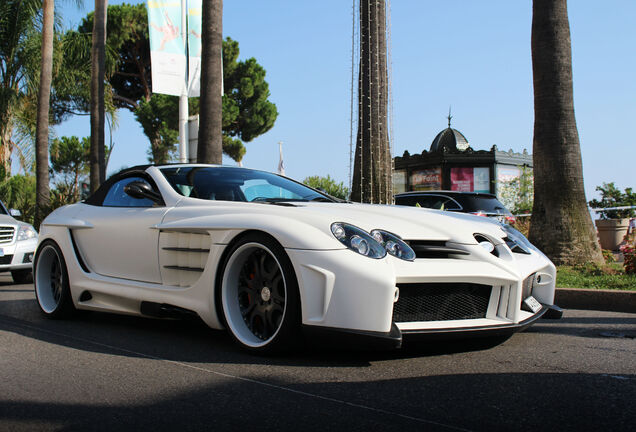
point(194, 47)
point(481, 179)
point(427, 179)
point(167, 50)
point(399, 181)
point(462, 179)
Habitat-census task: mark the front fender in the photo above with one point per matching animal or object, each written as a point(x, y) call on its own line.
point(290, 233)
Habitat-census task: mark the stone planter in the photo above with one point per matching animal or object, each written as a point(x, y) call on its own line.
point(611, 232)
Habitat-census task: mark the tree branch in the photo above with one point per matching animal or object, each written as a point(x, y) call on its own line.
point(126, 100)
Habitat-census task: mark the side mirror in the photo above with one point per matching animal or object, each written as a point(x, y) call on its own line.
point(15, 213)
point(142, 190)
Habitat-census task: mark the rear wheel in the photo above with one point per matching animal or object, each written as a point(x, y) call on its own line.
point(259, 295)
point(51, 281)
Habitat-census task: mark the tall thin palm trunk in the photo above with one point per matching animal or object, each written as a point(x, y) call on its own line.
point(210, 146)
point(372, 164)
point(42, 192)
point(561, 223)
point(98, 72)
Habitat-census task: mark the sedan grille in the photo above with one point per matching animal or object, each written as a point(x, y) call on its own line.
point(441, 302)
point(6, 259)
point(6, 234)
point(433, 249)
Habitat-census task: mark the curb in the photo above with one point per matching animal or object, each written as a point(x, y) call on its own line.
point(591, 299)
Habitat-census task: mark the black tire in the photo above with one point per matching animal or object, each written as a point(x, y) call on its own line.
point(257, 294)
point(22, 276)
point(51, 282)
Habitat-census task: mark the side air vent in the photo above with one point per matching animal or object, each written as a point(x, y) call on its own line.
point(182, 257)
point(434, 249)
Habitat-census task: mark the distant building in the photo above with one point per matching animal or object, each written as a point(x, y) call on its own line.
point(452, 164)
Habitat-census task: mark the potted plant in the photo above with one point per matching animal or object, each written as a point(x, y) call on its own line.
point(613, 224)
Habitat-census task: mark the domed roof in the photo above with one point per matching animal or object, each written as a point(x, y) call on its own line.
point(449, 139)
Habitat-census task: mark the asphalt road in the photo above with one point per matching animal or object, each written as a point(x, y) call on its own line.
point(107, 372)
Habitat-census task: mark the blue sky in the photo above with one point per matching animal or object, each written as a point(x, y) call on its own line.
point(473, 56)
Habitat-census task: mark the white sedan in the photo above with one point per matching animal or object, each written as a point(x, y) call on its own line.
point(270, 259)
point(18, 241)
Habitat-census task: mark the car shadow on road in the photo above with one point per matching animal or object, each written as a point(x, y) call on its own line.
point(193, 341)
point(479, 401)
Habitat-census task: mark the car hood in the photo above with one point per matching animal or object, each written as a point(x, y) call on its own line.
point(308, 220)
point(7, 220)
point(410, 222)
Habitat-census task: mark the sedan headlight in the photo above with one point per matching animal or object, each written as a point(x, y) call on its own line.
point(358, 240)
point(393, 244)
point(26, 232)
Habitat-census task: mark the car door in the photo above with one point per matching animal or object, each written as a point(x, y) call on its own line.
point(122, 241)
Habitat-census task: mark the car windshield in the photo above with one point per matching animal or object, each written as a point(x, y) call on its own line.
point(3, 209)
point(238, 184)
point(484, 204)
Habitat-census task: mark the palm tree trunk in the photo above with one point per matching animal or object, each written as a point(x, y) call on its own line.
point(372, 164)
point(42, 193)
point(98, 68)
point(210, 147)
point(561, 224)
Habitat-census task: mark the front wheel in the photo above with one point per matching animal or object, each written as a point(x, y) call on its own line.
point(259, 295)
point(51, 281)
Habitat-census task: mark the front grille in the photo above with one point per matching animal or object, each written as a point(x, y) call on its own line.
point(441, 302)
point(6, 234)
point(433, 249)
point(6, 259)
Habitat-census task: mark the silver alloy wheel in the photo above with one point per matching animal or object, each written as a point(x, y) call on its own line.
point(254, 295)
point(49, 279)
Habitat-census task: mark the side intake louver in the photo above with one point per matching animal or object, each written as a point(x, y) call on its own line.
point(182, 257)
point(434, 249)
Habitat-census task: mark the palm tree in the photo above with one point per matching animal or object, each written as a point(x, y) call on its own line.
point(42, 193)
point(19, 45)
point(98, 72)
point(561, 223)
point(210, 147)
point(372, 164)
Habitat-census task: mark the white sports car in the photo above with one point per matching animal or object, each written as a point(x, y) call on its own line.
point(269, 259)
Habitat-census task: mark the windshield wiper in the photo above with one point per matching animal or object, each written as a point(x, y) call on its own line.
point(321, 199)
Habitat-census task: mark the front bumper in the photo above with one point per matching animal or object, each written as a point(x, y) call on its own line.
point(346, 294)
point(18, 255)
point(394, 338)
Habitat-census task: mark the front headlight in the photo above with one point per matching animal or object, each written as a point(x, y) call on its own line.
point(26, 232)
point(393, 244)
point(358, 240)
point(516, 241)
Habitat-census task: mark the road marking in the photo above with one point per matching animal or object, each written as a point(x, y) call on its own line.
point(20, 323)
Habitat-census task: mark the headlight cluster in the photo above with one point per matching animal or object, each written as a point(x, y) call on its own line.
point(373, 245)
point(516, 241)
point(393, 244)
point(26, 232)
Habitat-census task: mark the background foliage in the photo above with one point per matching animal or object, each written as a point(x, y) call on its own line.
point(611, 196)
point(329, 185)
